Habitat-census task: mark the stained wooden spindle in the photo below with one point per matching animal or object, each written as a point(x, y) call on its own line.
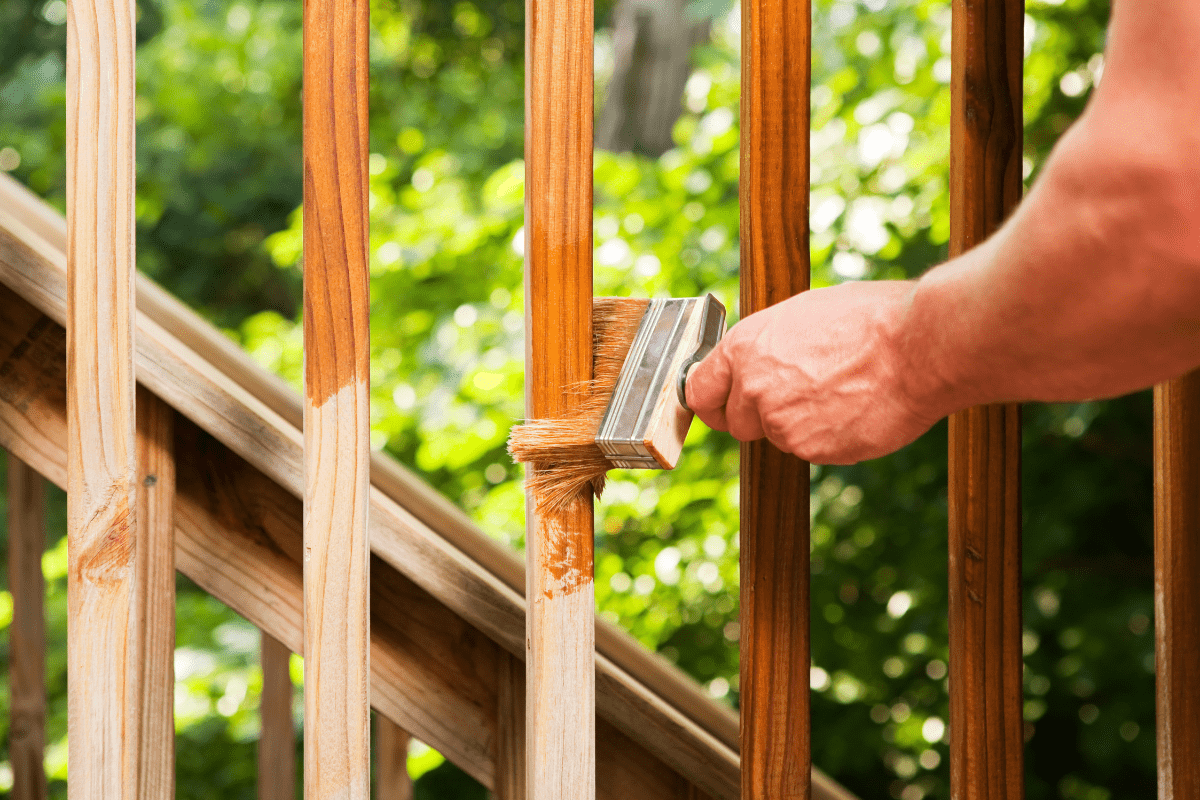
point(337, 744)
point(391, 761)
point(986, 728)
point(277, 740)
point(776, 752)
point(156, 588)
point(1177, 585)
point(27, 632)
point(103, 674)
point(560, 673)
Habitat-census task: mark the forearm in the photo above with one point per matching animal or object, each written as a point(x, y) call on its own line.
point(1091, 289)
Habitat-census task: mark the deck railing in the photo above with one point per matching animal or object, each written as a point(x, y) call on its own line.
point(119, 465)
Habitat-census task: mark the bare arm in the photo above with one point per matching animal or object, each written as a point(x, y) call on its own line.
point(1091, 289)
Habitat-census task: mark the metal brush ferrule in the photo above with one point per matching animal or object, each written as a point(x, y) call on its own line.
point(712, 328)
point(646, 419)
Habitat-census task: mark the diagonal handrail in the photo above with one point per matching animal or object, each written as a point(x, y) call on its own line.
point(415, 530)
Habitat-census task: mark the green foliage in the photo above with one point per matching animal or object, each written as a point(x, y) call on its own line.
point(219, 190)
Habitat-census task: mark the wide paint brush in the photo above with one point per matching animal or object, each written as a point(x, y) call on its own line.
point(634, 414)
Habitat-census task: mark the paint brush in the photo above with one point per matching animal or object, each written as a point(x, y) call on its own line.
point(634, 413)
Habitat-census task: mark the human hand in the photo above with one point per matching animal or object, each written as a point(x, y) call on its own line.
point(825, 375)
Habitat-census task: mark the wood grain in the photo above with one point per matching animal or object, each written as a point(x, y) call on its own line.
point(277, 741)
point(986, 728)
point(560, 674)
point(27, 632)
point(155, 560)
point(104, 691)
point(391, 761)
point(775, 727)
point(652, 705)
point(1176, 585)
point(337, 743)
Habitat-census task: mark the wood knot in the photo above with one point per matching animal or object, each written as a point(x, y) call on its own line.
point(108, 557)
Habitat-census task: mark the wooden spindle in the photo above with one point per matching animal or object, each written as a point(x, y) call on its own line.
point(337, 744)
point(510, 729)
point(27, 633)
point(103, 674)
point(156, 590)
point(1177, 585)
point(986, 728)
point(391, 761)
point(560, 632)
point(277, 740)
point(776, 752)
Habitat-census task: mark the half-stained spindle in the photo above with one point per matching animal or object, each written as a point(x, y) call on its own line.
point(776, 752)
point(560, 631)
point(986, 728)
point(337, 744)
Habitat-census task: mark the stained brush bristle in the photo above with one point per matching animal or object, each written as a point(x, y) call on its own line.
point(562, 457)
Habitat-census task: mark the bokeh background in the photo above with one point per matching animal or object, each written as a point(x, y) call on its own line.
point(219, 224)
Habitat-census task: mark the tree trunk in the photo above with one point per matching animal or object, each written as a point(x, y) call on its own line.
point(652, 46)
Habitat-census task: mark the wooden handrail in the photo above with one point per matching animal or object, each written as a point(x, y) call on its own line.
point(627, 706)
point(774, 197)
point(986, 726)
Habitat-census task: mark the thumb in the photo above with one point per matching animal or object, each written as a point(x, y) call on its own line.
point(707, 388)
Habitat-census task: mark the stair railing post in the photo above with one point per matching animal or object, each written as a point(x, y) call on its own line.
point(986, 726)
point(1177, 585)
point(774, 537)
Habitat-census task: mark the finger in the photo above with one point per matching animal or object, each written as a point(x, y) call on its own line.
point(745, 427)
point(742, 416)
point(708, 383)
point(714, 418)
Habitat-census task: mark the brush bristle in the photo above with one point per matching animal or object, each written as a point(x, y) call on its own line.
point(562, 457)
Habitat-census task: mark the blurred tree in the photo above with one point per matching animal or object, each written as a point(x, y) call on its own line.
point(652, 52)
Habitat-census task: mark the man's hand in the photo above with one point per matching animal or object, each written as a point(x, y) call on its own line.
point(822, 375)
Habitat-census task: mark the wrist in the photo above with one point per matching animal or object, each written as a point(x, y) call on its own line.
point(929, 365)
